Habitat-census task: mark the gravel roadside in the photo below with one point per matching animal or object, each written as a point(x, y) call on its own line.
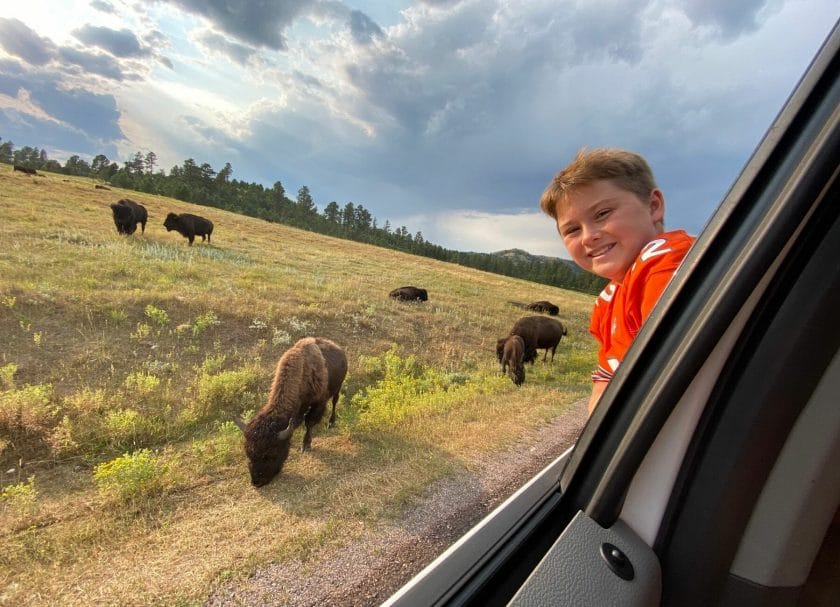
point(369, 571)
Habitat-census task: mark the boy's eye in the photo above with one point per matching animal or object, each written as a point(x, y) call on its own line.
point(602, 213)
point(570, 231)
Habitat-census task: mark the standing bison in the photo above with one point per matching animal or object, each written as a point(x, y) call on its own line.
point(536, 332)
point(23, 169)
point(308, 375)
point(544, 306)
point(513, 354)
point(189, 226)
point(409, 294)
point(127, 214)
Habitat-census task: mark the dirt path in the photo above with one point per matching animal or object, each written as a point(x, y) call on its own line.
point(368, 572)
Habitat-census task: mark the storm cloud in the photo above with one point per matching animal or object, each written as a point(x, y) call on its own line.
point(449, 117)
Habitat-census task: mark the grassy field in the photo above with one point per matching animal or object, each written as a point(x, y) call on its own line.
point(123, 359)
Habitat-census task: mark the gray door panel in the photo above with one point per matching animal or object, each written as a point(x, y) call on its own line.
point(576, 572)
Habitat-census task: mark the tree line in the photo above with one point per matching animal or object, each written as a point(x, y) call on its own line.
point(202, 184)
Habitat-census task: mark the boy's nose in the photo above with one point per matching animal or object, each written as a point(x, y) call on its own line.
point(590, 234)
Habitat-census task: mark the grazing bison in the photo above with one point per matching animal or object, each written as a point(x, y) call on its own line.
point(189, 226)
point(24, 169)
point(409, 294)
point(544, 306)
point(537, 332)
point(513, 354)
point(308, 375)
point(127, 214)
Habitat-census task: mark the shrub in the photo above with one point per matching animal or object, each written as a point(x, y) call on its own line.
point(86, 402)
point(141, 332)
point(118, 316)
point(408, 389)
point(132, 476)
point(27, 416)
point(158, 317)
point(226, 391)
point(7, 375)
point(222, 448)
point(125, 428)
point(204, 322)
point(20, 500)
point(141, 383)
point(213, 363)
point(61, 439)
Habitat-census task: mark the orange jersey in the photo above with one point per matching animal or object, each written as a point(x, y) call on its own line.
point(621, 308)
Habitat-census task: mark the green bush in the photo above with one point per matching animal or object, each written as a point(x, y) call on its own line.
point(7, 376)
point(141, 384)
point(20, 500)
point(225, 392)
point(221, 448)
point(27, 416)
point(61, 439)
point(407, 389)
point(159, 317)
point(204, 322)
point(128, 428)
point(132, 476)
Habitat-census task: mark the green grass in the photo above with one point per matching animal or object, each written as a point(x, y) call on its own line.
point(124, 360)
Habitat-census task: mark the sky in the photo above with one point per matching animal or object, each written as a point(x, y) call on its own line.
point(448, 117)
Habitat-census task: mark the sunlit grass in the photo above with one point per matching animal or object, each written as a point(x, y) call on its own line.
point(123, 360)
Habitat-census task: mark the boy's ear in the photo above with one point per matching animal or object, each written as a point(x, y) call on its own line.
point(656, 202)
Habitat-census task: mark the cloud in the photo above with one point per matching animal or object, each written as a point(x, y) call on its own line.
point(489, 232)
point(363, 28)
point(93, 63)
point(216, 43)
point(260, 24)
point(460, 109)
point(103, 6)
point(21, 41)
point(120, 43)
point(730, 19)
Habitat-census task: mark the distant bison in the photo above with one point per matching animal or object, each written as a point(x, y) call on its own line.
point(544, 306)
point(127, 214)
point(24, 169)
point(537, 332)
point(189, 226)
point(513, 355)
point(409, 294)
point(308, 375)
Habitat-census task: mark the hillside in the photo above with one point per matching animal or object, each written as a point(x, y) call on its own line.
point(124, 358)
point(521, 256)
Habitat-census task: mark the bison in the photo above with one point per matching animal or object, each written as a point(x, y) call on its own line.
point(308, 375)
point(24, 169)
point(127, 214)
point(409, 294)
point(537, 332)
point(513, 355)
point(544, 306)
point(189, 226)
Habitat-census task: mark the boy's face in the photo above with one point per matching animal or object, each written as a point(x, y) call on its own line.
point(604, 227)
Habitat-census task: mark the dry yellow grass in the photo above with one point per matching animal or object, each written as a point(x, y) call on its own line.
point(74, 298)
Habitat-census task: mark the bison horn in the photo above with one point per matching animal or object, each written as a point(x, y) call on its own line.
point(239, 423)
point(287, 432)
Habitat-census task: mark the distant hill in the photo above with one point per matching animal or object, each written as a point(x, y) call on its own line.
point(520, 256)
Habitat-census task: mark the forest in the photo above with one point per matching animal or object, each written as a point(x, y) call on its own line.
point(204, 185)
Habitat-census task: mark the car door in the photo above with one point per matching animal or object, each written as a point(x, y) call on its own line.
point(706, 474)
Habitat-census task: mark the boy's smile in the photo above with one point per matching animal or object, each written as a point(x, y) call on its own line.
point(604, 227)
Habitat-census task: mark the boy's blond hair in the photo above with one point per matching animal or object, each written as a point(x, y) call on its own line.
point(627, 170)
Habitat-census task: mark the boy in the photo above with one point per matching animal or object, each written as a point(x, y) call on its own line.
point(610, 216)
